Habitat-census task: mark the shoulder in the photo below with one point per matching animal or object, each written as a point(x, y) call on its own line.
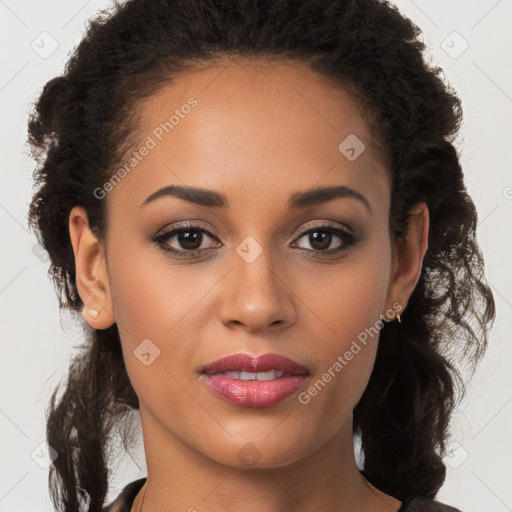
point(419, 504)
point(124, 501)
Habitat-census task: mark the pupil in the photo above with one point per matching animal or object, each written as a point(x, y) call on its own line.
point(186, 238)
point(323, 239)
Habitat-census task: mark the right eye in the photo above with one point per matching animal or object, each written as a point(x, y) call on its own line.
point(189, 237)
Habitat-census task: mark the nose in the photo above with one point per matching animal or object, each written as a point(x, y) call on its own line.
point(256, 296)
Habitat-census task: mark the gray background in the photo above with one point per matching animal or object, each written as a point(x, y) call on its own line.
point(37, 342)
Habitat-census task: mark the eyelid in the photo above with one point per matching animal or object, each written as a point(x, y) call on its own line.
point(174, 229)
point(198, 227)
point(325, 224)
point(187, 224)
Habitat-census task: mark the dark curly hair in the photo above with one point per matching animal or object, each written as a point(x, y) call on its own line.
point(85, 119)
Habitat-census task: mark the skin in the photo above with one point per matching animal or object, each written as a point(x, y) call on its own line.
point(259, 132)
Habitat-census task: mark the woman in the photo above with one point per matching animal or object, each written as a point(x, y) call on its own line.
point(259, 211)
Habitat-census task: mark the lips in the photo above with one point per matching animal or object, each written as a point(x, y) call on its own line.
point(249, 381)
point(243, 362)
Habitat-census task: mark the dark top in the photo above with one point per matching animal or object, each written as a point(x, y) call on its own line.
point(124, 502)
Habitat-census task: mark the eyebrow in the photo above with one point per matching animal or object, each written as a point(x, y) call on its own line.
point(212, 199)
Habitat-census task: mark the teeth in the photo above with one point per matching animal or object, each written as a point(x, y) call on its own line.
point(273, 374)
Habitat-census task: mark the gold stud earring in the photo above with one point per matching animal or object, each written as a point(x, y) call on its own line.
point(94, 312)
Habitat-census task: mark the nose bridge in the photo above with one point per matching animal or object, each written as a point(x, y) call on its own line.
point(254, 293)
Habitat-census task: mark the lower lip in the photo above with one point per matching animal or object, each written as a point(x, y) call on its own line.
point(253, 393)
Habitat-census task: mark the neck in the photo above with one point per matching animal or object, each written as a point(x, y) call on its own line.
point(326, 479)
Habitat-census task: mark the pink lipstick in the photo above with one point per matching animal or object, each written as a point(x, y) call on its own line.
point(250, 381)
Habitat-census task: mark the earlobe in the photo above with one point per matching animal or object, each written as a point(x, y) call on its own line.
point(91, 271)
point(409, 255)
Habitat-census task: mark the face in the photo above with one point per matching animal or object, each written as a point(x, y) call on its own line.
point(252, 272)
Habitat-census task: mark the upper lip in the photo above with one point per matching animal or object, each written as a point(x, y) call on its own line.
point(249, 363)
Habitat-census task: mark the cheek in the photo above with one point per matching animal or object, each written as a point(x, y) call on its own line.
point(348, 298)
point(348, 307)
point(151, 297)
point(155, 306)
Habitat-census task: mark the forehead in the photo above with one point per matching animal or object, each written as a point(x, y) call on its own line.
point(252, 94)
point(255, 127)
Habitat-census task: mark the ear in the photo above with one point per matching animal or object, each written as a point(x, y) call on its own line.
point(408, 257)
point(91, 270)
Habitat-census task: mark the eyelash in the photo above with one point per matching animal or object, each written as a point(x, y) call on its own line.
point(344, 233)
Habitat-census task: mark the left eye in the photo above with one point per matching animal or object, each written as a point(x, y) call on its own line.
point(320, 239)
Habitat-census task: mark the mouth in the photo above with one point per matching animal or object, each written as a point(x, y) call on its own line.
point(247, 381)
point(244, 366)
point(260, 376)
